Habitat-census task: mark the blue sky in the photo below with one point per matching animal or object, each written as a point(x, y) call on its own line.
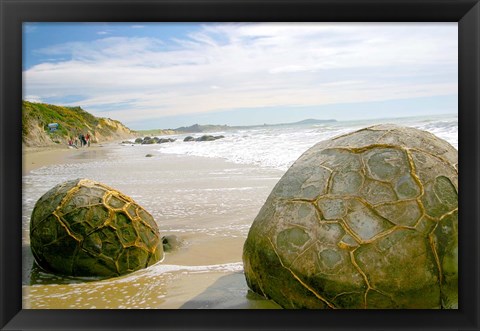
point(166, 75)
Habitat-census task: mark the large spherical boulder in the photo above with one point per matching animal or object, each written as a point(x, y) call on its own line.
point(85, 228)
point(364, 220)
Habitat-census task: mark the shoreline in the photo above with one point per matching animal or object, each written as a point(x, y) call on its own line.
point(37, 157)
point(199, 199)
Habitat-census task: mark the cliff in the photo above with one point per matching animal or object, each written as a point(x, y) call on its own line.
point(72, 121)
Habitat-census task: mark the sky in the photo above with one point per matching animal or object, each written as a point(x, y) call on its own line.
point(167, 75)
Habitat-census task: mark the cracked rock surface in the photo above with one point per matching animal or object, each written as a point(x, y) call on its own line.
point(364, 220)
point(85, 228)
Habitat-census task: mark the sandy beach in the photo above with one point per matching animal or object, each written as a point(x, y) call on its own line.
point(207, 203)
point(37, 157)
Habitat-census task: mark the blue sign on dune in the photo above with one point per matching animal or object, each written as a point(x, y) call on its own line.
point(53, 127)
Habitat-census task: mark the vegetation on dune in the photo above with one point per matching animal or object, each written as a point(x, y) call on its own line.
point(72, 121)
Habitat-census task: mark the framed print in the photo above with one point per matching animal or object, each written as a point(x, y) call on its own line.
point(246, 165)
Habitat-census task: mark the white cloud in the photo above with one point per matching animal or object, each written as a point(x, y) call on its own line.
point(256, 65)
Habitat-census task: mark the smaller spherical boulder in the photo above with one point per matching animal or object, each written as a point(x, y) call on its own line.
point(85, 228)
point(206, 137)
point(171, 243)
point(148, 141)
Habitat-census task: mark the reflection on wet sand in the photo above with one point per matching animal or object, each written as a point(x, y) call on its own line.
point(228, 292)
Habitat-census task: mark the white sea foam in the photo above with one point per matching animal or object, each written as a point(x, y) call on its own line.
point(279, 146)
point(159, 269)
point(156, 270)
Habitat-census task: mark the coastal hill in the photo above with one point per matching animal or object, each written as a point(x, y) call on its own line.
point(211, 128)
point(71, 121)
point(202, 128)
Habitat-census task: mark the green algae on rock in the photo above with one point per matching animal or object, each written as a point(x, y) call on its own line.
point(364, 220)
point(85, 228)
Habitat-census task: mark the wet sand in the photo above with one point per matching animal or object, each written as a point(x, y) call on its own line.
point(211, 213)
point(37, 157)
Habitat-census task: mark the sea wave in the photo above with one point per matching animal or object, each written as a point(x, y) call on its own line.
point(279, 147)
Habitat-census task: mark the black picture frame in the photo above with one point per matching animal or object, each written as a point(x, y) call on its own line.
point(15, 12)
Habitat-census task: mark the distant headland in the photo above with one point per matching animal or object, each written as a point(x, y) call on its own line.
point(198, 128)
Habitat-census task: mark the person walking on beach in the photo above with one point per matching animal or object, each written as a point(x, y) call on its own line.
point(88, 139)
point(80, 137)
point(82, 140)
point(72, 142)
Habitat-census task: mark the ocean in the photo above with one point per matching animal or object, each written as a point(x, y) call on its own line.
point(205, 193)
point(279, 146)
